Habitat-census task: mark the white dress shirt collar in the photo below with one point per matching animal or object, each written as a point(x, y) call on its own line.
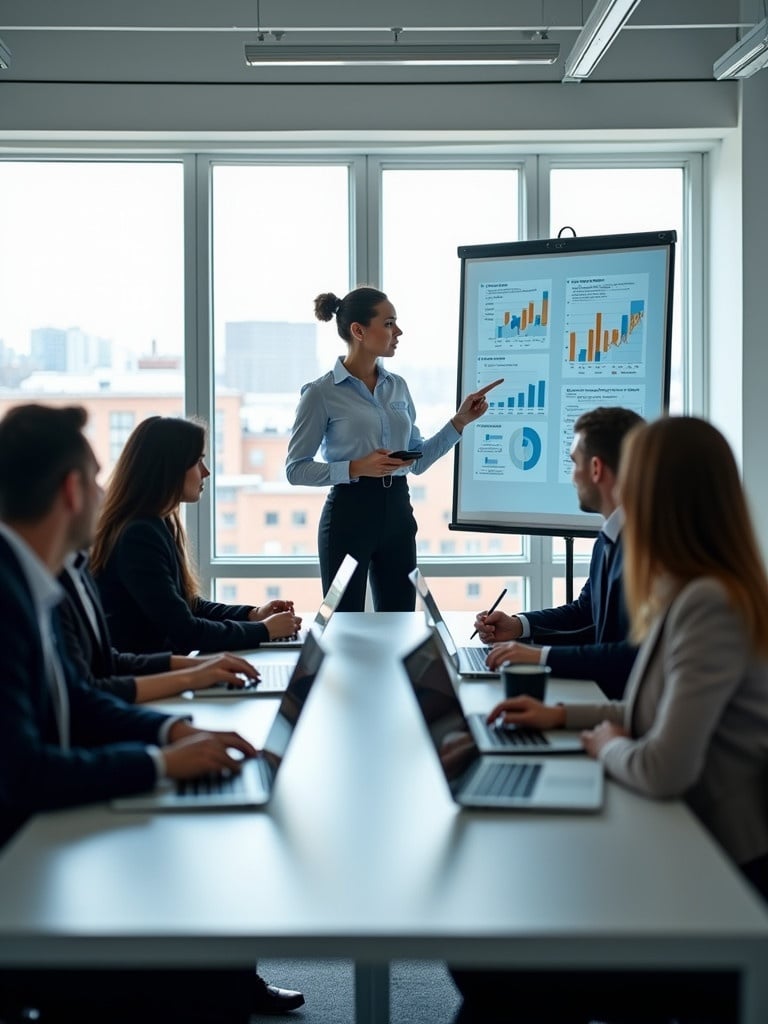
point(613, 524)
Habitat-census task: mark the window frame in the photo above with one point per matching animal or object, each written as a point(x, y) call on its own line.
point(537, 564)
point(366, 165)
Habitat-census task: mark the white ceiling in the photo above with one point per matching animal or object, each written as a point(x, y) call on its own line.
point(184, 41)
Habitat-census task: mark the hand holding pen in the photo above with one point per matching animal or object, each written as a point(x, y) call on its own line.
point(493, 608)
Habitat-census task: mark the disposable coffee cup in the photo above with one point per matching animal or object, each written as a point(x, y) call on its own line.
point(525, 679)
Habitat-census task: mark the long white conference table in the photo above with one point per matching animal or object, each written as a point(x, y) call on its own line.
point(362, 855)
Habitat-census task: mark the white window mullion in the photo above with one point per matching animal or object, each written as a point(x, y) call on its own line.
point(198, 396)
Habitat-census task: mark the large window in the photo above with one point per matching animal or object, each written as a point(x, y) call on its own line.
point(611, 200)
point(281, 235)
point(602, 200)
point(426, 213)
point(92, 291)
point(110, 272)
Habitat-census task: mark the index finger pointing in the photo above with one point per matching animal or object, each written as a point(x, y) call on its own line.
point(489, 387)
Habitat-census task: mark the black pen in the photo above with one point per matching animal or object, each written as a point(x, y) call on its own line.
point(493, 608)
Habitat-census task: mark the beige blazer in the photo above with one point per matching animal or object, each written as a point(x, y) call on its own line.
point(696, 708)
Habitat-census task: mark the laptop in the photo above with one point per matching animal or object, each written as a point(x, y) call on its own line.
point(513, 739)
point(328, 606)
point(274, 676)
point(468, 661)
point(517, 782)
point(253, 785)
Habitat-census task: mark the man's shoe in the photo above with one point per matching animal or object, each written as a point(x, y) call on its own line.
point(271, 999)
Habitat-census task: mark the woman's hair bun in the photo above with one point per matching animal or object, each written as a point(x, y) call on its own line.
point(326, 305)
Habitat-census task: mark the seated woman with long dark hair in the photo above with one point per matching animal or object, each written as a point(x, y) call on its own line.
point(140, 560)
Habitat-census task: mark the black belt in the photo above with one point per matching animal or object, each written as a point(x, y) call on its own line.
point(377, 481)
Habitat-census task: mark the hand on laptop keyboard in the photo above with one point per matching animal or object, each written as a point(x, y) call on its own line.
point(224, 669)
point(197, 753)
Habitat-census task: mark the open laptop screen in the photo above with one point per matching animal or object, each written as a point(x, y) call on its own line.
point(434, 615)
point(442, 711)
point(336, 590)
point(292, 702)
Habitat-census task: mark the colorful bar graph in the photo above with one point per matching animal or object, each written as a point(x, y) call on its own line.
point(534, 396)
point(516, 323)
point(600, 340)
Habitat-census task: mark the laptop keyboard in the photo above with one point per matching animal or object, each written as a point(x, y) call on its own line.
point(208, 785)
point(516, 739)
point(274, 679)
point(506, 780)
point(292, 638)
point(225, 783)
point(475, 658)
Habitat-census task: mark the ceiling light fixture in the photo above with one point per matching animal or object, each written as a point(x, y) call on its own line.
point(398, 54)
point(5, 57)
point(600, 29)
point(749, 55)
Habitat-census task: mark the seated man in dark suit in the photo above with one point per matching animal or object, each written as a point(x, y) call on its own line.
point(133, 677)
point(586, 639)
point(64, 743)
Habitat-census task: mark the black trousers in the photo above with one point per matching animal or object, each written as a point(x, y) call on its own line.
point(374, 523)
point(102, 996)
point(577, 997)
point(624, 997)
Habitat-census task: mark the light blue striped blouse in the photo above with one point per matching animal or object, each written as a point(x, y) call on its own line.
point(339, 417)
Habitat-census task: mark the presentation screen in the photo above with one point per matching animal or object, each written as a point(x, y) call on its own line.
point(570, 324)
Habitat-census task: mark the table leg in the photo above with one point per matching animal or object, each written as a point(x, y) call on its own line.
point(371, 993)
point(754, 1009)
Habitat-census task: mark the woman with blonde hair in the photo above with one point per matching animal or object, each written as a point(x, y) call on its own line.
point(694, 722)
point(140, 560)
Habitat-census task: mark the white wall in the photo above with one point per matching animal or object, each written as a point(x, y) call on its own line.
point(723, 272)
point(30, 111)
point(738, 292)
point(754, 295)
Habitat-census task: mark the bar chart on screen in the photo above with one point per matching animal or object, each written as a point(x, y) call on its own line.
point(514, 315)
point(605, 326)
point(525, 390)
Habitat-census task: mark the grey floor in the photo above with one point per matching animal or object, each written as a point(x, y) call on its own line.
point(421, 991)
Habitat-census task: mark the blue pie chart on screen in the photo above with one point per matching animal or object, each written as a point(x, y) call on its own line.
point(524, 448)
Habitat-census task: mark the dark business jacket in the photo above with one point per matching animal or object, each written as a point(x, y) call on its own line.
point(107, 756)
point(589, 635)
point(141, 591)
point(91, 652)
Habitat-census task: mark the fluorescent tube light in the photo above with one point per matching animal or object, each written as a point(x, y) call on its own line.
point(749, 55)
point(397, 54)
point(5, 57)
point(600, 29)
